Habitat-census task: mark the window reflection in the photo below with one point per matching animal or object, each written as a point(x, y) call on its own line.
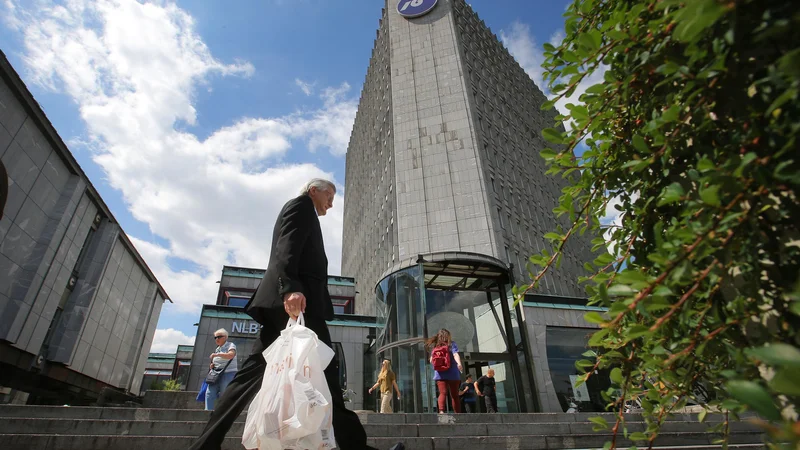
point(565, 346)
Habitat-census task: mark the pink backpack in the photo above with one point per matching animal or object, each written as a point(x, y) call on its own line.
point(440, 357)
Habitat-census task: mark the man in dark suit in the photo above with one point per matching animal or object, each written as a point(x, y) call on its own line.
point(296, 280)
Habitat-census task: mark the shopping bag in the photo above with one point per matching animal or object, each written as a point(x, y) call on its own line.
point(292, 410)
point(201, 396)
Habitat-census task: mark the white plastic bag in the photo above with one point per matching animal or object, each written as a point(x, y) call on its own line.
point(293, 408)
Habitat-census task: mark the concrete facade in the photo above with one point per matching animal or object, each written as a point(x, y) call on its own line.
point(538, 318)
point(78, 305)
point(444, 154)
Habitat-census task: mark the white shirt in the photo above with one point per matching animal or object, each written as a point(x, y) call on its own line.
point(220, 361)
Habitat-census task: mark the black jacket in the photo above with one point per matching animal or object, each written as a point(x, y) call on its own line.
point(297, 263)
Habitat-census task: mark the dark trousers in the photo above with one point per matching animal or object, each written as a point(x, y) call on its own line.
point(491, 403)
point(469, 407)
point(240, 392)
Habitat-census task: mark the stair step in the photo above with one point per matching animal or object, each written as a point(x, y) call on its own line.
point(91, 412)
point(100, 442)
point(18, 425)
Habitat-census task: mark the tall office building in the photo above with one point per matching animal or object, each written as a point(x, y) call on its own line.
point(446, 198)
point(444, 154)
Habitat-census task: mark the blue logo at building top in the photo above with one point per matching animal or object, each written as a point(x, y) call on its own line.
point(415, 8)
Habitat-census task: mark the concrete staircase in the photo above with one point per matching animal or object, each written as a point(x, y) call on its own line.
point(96, 428)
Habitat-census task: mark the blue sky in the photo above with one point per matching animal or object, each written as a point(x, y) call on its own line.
point(197, 120)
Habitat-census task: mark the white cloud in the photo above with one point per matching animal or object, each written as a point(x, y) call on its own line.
point(307, 88)
point(530, 55)
point(133, 69)
point(167, 340)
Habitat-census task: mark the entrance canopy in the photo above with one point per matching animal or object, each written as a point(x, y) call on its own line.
point(457, 271)
point(465, 293)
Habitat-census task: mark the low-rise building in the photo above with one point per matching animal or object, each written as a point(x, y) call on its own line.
point(78, 304)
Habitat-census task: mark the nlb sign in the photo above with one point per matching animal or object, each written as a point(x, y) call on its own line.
point(245, 327)
point(415, 8)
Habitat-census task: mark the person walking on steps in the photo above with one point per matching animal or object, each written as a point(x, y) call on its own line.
point(223, 361)
point(447, 368)
point(386, 380)
point(487, 389)
point(468, 397)
point(296, 280)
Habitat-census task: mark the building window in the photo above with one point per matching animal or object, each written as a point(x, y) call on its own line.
point(239, 302)
point(343, 305)
point(500, 217)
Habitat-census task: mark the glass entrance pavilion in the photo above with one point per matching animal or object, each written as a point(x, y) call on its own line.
point(470, 295)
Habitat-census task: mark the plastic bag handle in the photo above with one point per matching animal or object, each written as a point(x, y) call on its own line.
point(300, 321)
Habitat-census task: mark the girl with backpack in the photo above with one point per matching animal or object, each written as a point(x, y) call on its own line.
point(447, 366)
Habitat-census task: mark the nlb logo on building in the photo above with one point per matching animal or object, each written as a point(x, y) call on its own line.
point(415, 8)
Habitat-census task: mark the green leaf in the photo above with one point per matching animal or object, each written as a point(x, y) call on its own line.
point(640, 144)
point(778, 354)
point(594, 317)
point(579, 112)
point(694, 18)
point(552, 236)
point(785, 382)
point(620, 290)
point(746, 160)
point(701, 417)
point(789, 94)
point(587, 41)
point(548, 154)
point(548, 47)
point(672, 193)
point(705, 164)
point(596, 89)
point(756, 397)
point(616, 375)
point(636, 331)
point(598, 338)
point(671, 114)
point(636, 165)
point(710, 195)
point(668, 68)
point(553, 136)
point(583, 363)
point(598, 420)
point(638, 436)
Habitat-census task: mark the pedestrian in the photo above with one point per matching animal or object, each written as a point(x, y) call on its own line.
point(467, 394)
point(487, 388)
point(386, 380)
point(223, 361)
point(296, 280)
point(447, 368)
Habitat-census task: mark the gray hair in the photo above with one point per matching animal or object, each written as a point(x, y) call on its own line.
point(319, 183)
point(221, 331)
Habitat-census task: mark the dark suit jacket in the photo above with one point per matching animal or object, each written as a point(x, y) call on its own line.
point(297, 263)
